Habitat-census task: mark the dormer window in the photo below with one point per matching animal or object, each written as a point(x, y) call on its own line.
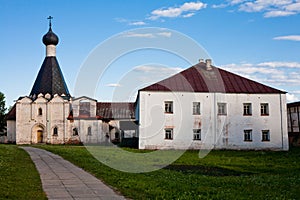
point(40, 112)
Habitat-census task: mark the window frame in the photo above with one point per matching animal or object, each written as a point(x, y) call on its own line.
point(248, 135)
point(55, 131)
point(75, 131)
point(169, 136)
point(196, 108)
point(89, 131)
point(40, 111)
point(197, 134)
point(267, 134)
point(169, 107)
point(247, 109)
point(222, 108)
point(264, 109)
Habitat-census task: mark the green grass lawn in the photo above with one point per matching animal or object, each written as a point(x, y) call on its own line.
point(18, 176)
point(220, 175)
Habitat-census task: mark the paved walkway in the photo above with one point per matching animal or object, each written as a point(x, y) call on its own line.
point(63, 180)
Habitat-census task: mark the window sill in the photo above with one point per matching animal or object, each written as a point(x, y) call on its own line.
point(248, 141)
point(264, 115)
point(265, 141)
point(168, 112)
point(247, 115)
point(168, 139)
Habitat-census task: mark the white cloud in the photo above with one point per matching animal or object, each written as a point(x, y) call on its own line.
point(114, 85)
point(185, 10)
point(165, 34)
point(293, 7)
point(223, 5)
point(188, 15)
point(288, 37)
point(270, 8)
point(139, 35)
point(278, 13)
point(291, 97)
point(159, 70)
point(130, 22)
point(137, 23)
point(147, 35)
point(280, 64)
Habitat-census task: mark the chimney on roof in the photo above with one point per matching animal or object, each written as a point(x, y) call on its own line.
point(208, 64)
point(201, 60)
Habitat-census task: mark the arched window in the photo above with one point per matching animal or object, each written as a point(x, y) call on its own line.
point(89, 130)
point(40, 111)
point(55, 131)
point(75, 131)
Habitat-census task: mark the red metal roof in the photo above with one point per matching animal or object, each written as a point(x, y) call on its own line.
point(293, 104)
point(198, 79)
point(120, 110)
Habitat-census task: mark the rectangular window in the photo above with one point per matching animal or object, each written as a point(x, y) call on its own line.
point(169, 134)
point(196, 108)
point(222, 110)
point(168, 106)
point(247, 109)
point(265, 135)
point(248, 135)
point(197, 134)
point(264, 109)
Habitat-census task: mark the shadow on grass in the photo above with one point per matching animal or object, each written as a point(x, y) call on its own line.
point(205, 170)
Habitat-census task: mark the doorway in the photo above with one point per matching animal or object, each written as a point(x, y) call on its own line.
point(39, 136)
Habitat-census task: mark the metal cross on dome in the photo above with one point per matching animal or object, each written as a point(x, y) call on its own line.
point(50, 18)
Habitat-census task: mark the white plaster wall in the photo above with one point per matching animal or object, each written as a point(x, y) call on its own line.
point(23, 121)
point(58, 111)
point(54, 114)
point(97, 134)
point(216, 131)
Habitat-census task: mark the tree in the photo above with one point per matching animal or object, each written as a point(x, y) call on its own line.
point(2, 113)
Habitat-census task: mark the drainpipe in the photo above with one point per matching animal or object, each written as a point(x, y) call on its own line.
point(281, 121)
point(291, 119)
point(298, 119)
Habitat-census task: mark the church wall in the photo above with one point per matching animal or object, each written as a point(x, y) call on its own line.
point(24, 121)
point(57, 119)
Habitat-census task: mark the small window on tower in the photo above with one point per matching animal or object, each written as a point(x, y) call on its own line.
point(55, 131)
point(75, 131)
point(40, 111)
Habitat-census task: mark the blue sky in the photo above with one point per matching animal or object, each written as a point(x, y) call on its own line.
point(259, 39)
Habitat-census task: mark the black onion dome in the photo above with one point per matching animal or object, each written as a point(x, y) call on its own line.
point(50, 38)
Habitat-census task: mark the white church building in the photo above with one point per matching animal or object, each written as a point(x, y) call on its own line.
point(198, 108)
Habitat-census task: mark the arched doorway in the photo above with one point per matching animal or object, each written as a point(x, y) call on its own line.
point(38, 134)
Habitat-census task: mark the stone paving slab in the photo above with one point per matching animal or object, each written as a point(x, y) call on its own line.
point(63, 180)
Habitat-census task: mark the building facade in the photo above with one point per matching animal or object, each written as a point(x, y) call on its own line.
point(202, 107)
point(293, 113)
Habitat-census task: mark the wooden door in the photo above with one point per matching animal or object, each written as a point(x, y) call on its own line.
point(39, 136)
